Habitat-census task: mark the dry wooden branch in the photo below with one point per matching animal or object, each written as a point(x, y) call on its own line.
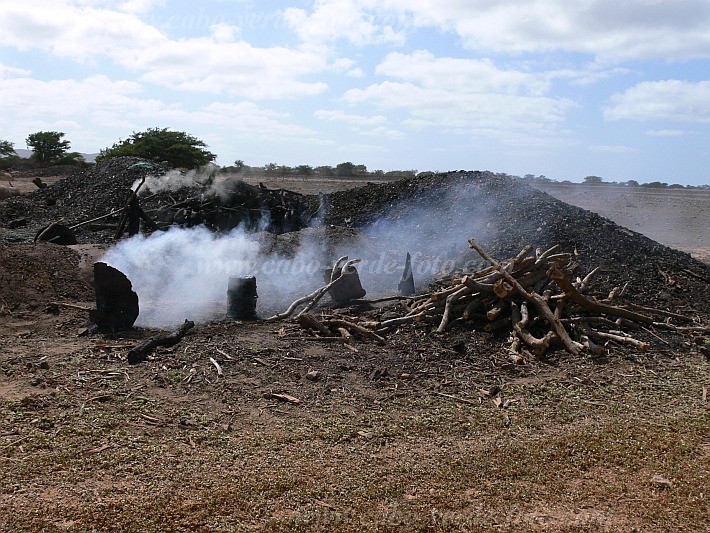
point(450, 301)
point(311, 299)
point(538, 346)
point(217, 366)
point(561, 279)
point(600, 335)
point(572, 346)
point(357, 328)
point(494, 312)
point(655, 311)
point(308, 321)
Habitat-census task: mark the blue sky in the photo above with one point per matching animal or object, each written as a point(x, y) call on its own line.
point(618, 89)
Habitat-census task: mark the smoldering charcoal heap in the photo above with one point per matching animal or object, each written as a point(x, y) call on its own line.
point(430, 216)
point(504, 214)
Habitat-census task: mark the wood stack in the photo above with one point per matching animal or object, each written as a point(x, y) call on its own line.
point(534, 296)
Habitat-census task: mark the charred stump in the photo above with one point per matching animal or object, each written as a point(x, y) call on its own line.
point(116, 302)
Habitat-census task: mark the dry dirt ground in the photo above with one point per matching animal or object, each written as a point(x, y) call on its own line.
point(675, 217)
point(296, 435)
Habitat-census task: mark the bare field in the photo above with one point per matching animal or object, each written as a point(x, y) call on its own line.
point(675, 217)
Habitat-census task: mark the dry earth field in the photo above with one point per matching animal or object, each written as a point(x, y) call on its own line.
point(385, 438)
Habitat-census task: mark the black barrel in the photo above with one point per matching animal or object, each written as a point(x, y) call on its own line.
point(241, 298)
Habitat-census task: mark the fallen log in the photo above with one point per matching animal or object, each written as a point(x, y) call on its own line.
point(143, 349)
point(355, 327)
point(308, 321)
point(620, 339)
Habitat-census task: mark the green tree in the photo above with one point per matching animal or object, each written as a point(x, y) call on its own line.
point(655, 185)
point(345, 170)
point(593, 180)
point(48, 146)
point(72, 158)
point(177, 148)
point(325, 170)
point(304, 170)
point(632, 183)
point(6, 148)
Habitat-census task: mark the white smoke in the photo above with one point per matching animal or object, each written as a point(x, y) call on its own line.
point(174, 180)
point(184, 273)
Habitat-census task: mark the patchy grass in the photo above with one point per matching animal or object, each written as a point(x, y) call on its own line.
point(573, 452)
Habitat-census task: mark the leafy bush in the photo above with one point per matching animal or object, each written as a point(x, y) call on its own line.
point(177, 148)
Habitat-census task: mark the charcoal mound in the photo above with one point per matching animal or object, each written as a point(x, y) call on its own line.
point(85, 194)
point(504, 215)
point(106, 187)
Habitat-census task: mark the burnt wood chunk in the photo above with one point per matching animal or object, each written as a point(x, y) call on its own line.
point(143, 349)
point(116, 302)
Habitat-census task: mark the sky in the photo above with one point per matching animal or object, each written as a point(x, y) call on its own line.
point(566, 89)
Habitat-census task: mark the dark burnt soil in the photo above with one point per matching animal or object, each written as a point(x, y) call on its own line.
point(504, 215)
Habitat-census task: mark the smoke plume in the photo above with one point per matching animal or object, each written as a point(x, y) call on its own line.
point(183, 273)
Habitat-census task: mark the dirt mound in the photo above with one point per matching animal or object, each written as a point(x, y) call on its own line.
point(32, 275)
point(504, 215)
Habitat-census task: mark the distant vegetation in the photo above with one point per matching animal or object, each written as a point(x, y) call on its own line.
point(599, 181)
point(49, 147)
point(6, 149)
point(342, 170)
point(177, 148)
point(182, 150)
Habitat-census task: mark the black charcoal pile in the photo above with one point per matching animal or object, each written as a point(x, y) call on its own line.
point(504, 215)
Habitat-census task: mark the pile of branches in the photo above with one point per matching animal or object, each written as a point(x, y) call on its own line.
point(238, 204)
point(536, 297)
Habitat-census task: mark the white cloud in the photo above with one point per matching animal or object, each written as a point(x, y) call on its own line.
point(666, 133)
point(224, 33)
point(465, 95)
point(335, 115)
point(73, 32)
point(372, 125)
point(642, 29)
point(140, 6)
point(217, 63)
point(237, 68)
point(7, 71)
point(351, 20)
point(674, 100)
point(471, 75)
point(118, 107)
point(608, 29)
point(613, 149)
